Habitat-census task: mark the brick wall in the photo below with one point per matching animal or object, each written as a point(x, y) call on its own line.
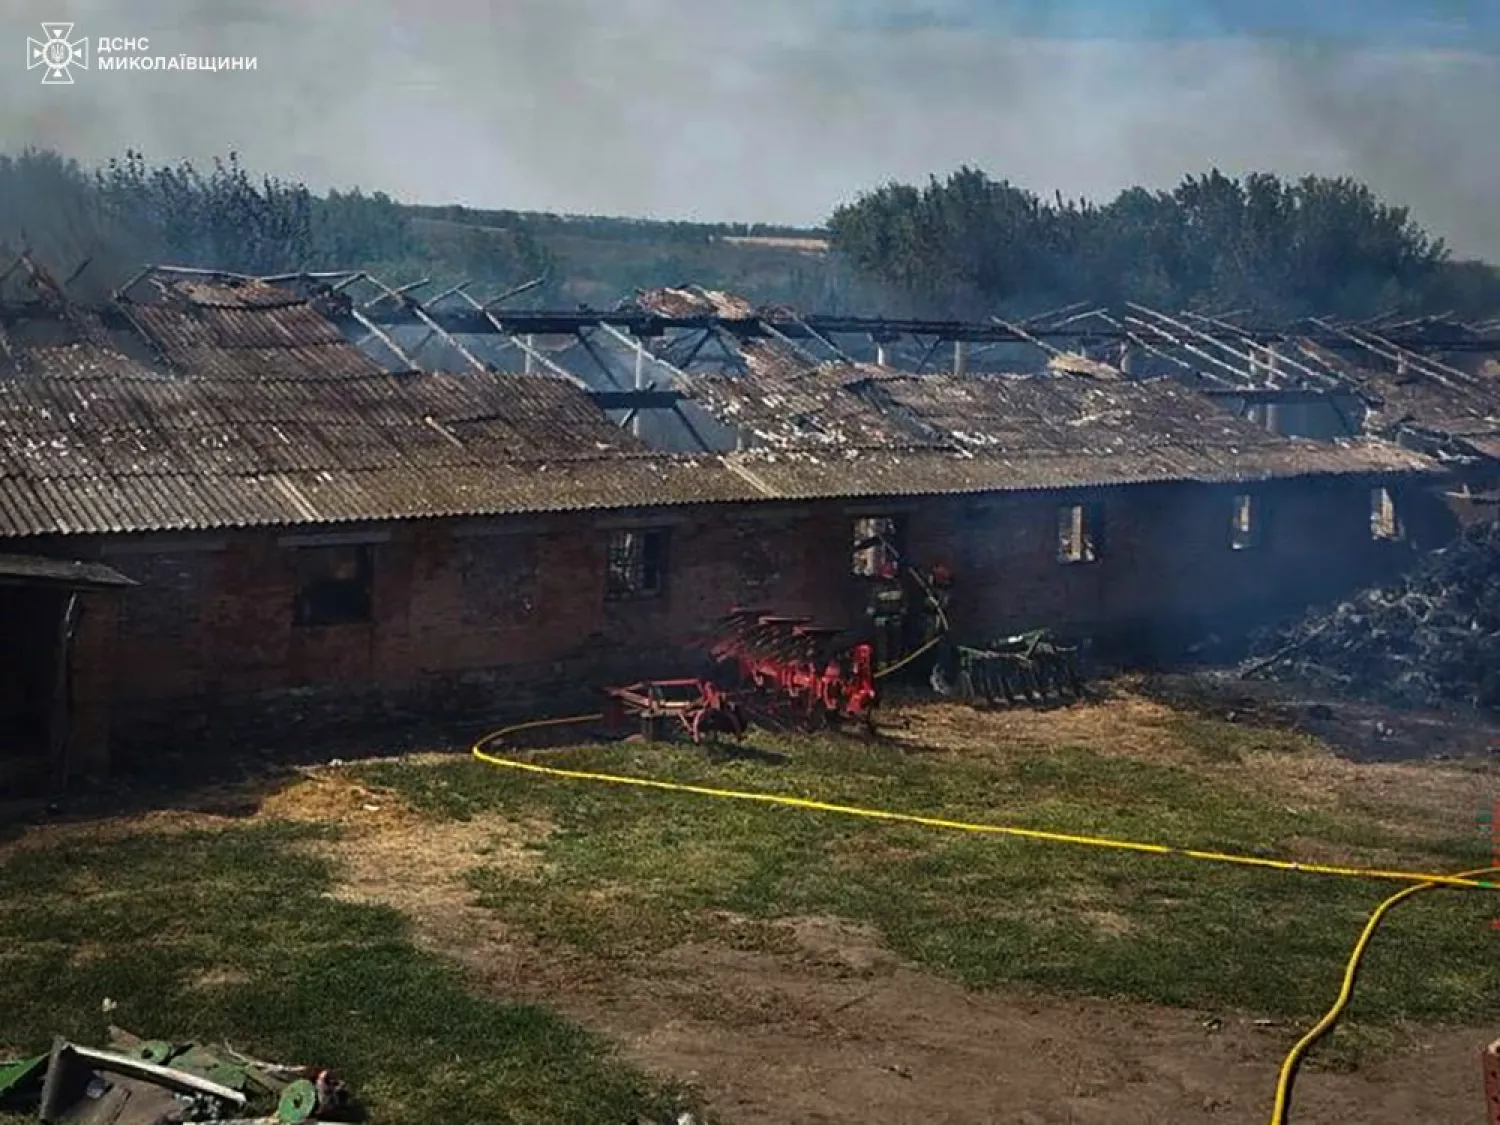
point(470, 620)
point(473, 621)
point(1166, 563)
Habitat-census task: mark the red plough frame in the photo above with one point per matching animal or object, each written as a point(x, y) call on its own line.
point(787, 666)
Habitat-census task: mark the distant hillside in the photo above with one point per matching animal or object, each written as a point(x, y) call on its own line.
point(597, 260)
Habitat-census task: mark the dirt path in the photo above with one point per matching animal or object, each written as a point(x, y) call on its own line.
point(840, 1032)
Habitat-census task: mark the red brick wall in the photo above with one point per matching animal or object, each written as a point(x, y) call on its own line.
point(1166, 555)
point(471, 624)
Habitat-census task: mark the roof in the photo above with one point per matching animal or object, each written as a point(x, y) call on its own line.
point(207, 453)
point(36, 570)
point(247, 330)
point(689, 301)
point(235, 404)
point(843, 429)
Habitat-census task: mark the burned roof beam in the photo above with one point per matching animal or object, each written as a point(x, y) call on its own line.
point(1237, 378)
point(1382, 347)
point(1247, 372)
point(405, 300)
point(526, 349)
point(1271, 356)
point(473, 321)
point(649, 399)
point(600, 360)
point(393, 293)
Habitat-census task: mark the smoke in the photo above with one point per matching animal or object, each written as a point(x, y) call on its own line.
point(770, 111)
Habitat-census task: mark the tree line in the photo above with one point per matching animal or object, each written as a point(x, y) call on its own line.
point(1279, 248)
point(967, 245)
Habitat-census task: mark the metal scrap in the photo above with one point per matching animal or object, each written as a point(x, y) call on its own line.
point(157, 1082)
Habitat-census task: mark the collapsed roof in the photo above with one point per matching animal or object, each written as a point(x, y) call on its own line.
point(225, 402)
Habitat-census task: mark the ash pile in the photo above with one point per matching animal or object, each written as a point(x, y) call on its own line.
point(1429, 640)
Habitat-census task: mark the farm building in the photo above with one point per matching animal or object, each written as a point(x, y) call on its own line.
point(224, 521)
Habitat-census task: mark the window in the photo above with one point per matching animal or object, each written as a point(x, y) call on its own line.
point(1244, 523)
point(1079, 533)
point(637, 564)
point(877, 542)
point(334, 585)
point(1385, 521)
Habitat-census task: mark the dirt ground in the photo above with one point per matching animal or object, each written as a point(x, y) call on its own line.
point(841, 1031)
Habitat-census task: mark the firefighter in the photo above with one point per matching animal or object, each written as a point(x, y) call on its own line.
point(935, 602)
point(887, 612)
point(936, 626)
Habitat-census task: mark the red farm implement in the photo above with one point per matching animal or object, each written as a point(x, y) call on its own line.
point(800, 671)
point(784, 671)
point(699, 706)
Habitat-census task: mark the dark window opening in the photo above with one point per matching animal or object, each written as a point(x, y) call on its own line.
point(1385, 520)
point(637, 564)
point(1079, 533)
point(877, 544)
point(1244, 524)
point(334, 585)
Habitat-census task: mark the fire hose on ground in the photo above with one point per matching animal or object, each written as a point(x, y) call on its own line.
point(1420, 881)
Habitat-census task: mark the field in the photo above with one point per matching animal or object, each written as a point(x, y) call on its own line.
point(474, 943)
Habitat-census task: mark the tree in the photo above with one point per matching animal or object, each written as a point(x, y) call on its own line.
point(1282, 249)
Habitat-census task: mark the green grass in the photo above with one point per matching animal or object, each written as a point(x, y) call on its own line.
point(231, 935)
point(630, 872)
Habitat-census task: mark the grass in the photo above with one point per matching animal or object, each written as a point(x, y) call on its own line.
point(629, 872)
point(232, 935)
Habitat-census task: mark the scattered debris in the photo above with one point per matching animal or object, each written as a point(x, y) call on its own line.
point(156, 1082)
point(1431, 639)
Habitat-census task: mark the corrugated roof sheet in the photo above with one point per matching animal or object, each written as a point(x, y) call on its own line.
point(204, 453)
point(249, 332)
point(270, 416)
point(839, 428)
point(670, 302)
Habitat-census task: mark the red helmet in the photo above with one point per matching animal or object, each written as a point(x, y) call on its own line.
point(941, 575)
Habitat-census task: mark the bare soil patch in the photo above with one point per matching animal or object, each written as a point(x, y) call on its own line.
point(832, 1028)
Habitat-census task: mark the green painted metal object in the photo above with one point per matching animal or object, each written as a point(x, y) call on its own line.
point(299, 1101)
point(156, 1051)
point(16, 1075)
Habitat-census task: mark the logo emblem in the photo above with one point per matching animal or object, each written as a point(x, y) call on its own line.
point(58, 54)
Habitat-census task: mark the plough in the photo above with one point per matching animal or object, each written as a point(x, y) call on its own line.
point(1029, 666)
point(800, 665)
point(785, 668)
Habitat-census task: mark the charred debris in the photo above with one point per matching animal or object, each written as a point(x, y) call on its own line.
point(1430, 639)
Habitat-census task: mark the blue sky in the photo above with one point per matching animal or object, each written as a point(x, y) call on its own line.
point(1398, 23)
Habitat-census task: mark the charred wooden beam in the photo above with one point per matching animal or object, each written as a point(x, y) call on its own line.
point(636, 400)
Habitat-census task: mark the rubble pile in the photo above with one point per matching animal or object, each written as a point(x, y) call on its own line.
point(1429, 640)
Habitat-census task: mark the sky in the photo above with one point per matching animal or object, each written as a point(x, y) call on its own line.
point(779, 110)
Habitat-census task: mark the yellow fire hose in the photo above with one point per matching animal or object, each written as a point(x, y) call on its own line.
point(1420, 881)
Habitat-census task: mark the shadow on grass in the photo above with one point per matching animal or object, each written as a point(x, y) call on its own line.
point(233, 935)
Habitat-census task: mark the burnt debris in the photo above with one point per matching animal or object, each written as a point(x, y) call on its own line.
point(1431, 639)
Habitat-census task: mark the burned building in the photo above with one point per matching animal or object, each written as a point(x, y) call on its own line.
point(240, 527)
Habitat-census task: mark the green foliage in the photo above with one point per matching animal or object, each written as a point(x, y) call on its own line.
point(967, 245)
point(1280, 248)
